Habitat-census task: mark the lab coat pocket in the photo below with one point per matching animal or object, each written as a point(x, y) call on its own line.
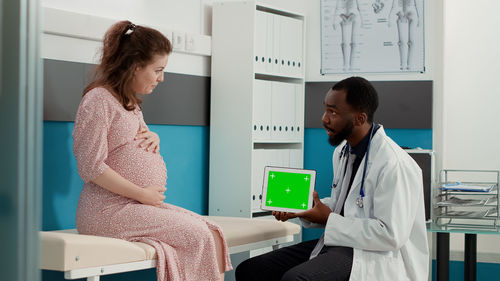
point(385, 266)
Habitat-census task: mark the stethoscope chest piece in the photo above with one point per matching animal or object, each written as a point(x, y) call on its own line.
point(359, 202)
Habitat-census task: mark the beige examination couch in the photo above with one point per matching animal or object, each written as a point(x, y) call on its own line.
point(86, 256)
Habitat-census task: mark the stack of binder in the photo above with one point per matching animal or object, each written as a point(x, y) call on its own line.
point(278, 44)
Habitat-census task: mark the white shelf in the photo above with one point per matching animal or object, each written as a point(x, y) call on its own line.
point(250, 91)
point(278, 142)
point(279, 77)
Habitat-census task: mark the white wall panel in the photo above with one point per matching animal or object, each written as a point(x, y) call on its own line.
point(471, 96)
point(180, 15)
point(79, 40)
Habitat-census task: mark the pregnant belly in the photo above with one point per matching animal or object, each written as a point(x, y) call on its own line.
point(138, 165)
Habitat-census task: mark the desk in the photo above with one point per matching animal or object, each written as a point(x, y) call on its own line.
point(443, 250)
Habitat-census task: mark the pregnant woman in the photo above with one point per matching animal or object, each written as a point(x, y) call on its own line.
point(125, 176)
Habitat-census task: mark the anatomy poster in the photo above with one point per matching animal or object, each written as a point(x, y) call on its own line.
point(372, 36)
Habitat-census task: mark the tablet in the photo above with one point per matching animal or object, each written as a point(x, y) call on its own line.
point(287, 189)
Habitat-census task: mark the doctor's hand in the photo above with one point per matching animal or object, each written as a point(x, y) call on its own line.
point(283, 216)
point(319, 212)
point(151, 140)
point(152, 195)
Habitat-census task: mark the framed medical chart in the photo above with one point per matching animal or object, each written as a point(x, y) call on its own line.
point(372, 36)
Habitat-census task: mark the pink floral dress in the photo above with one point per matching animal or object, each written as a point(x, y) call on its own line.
point(103, 137)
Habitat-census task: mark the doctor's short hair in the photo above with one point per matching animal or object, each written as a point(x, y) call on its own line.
point(360, 94)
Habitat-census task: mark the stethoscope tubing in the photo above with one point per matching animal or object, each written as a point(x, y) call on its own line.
point(344, 152)
point(361, 191)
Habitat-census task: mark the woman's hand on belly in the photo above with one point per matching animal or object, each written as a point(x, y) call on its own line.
point(152, 195)
point(151, 140)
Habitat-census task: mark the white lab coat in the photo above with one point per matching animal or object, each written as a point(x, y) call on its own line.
point(389, 234)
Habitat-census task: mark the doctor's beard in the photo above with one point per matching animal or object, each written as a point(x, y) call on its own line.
point(341, 135)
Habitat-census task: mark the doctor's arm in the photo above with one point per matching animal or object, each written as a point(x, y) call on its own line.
point(318, 215)
point(313, 218)
point(395, 204)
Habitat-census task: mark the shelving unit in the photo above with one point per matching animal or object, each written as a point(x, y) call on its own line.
point(458, 208)
point(257, 102)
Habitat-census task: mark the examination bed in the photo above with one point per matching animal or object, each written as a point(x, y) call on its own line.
point(86, 256)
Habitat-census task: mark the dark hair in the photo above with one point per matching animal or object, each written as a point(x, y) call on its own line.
point(360, 94)
point(127, 46)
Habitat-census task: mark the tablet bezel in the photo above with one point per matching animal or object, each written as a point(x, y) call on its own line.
point(312, 184)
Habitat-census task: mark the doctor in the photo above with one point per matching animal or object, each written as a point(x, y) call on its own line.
point(374, 220)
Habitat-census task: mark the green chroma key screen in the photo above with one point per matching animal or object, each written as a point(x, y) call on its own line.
point(288, 190)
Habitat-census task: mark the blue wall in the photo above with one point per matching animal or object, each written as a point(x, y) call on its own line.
point(185, 150)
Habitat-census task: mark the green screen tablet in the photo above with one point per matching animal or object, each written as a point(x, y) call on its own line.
point(287, 189)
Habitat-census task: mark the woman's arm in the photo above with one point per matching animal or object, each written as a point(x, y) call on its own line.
point(90, 145)
point(114, 182)
point(151, 140)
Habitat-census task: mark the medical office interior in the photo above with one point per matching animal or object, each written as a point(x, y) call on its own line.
point(450, 108)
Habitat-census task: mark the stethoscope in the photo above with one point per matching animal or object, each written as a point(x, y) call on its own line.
point(344, 153)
